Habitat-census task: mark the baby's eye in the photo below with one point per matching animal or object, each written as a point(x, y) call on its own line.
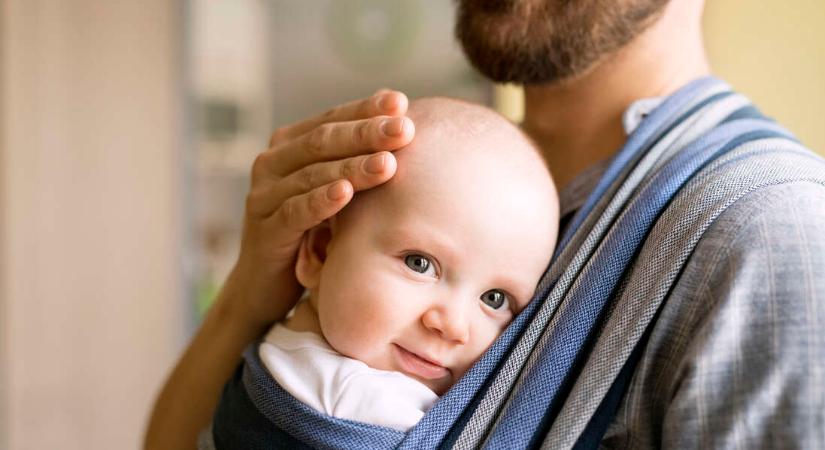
point(494, 298)
point(420, 264)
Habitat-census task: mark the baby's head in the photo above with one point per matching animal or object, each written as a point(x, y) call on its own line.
point(420, 275)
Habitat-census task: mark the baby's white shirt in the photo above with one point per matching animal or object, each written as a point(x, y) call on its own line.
point(314, 373)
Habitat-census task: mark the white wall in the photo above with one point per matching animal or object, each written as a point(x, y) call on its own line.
point(91, 299)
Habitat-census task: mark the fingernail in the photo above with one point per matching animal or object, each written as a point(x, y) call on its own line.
point(387, 102)
point(393, 127)
point(375, 163)
point(337, 191)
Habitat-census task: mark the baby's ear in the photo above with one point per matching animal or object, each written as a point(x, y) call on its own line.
point(312, 254)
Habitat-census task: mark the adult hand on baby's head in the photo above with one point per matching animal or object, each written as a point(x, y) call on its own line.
point(309, 172)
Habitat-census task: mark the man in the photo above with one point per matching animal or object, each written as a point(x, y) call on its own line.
point(739, 363)
point(736, 357)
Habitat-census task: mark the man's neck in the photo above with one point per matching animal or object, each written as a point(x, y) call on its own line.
point(578, 123)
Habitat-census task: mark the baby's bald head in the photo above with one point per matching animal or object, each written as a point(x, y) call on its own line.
point(452, 134)
point(470, 161)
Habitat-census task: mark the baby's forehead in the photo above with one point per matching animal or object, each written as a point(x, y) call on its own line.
point(444, 168)
point(454, 132)
point(461, 152)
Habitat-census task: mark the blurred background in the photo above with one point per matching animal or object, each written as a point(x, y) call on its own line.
point(127, 130)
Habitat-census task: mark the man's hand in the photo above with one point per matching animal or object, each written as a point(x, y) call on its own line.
point(310, 171)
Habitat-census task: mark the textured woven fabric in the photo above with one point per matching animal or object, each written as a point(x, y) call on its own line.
point(657, 226)
point(544, 379)
point(736, 358)
point(583, 235)
point(668, 247)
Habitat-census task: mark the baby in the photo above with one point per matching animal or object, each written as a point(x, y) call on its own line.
point(412, 282)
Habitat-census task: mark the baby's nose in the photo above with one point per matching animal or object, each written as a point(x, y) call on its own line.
point(449, 322)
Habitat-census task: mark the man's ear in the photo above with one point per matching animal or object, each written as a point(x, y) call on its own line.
point(312, 254)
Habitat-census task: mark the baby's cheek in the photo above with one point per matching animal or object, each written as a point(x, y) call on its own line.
point(485, 336)
point(357, 326)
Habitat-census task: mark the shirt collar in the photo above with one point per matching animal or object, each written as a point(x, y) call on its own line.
point(638, 111)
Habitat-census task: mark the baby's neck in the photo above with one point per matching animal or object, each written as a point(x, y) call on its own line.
point(304, 319)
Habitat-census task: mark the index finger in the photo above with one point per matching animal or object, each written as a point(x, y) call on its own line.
point(384, 102)
point(334, 141)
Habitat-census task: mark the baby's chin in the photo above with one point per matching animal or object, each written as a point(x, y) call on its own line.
point(439, 386)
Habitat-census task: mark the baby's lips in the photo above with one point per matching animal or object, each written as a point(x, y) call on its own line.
point(415, 365)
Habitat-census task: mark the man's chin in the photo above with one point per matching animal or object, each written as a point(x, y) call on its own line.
point(549, 41)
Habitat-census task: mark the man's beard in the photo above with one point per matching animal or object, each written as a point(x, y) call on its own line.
point(546, 41)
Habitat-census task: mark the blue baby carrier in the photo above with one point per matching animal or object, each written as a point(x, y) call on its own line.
point(556, 376)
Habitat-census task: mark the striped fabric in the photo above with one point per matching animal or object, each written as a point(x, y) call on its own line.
point(707, 222)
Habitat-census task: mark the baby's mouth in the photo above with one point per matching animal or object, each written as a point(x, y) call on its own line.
point(417, 366)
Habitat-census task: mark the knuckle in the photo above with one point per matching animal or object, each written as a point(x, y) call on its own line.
point(259, 165)
point(318, 139)
point(289, 215)
point(349, 169)
point(360, 133)
point(260, 160)
point(307, 178)
point(278, 135)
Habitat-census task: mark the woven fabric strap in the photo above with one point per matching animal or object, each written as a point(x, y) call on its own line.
point(556, 359)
